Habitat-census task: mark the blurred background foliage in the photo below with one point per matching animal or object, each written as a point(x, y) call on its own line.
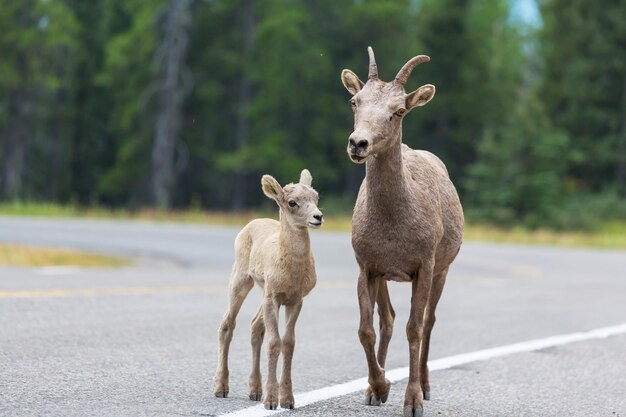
point(178, 104)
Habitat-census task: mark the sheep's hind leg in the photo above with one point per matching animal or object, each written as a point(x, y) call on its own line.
point(378, 384)
point(386, 316)
point(240, 286)
point(256, 339)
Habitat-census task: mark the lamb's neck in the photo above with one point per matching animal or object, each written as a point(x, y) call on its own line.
point(294, 241)
point(385, 176)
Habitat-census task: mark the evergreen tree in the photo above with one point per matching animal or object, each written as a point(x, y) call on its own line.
point(128, 71)
point(476, 68)
point(584, 86)
point(36, 46)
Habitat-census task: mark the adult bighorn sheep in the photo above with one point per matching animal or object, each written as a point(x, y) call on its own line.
point(277, 257)
point(407, 225)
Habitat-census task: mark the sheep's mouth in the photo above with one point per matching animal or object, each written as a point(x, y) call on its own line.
point(357, 159)
point(315, 225)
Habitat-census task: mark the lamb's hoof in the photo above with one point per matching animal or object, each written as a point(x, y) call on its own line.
point(270, 401)
point(288, 405)
point(410, 411)
point(221, 389)
point(221, 394)
point(286, 399)
point(270, 406)
point(256, 396)
point(427, 395)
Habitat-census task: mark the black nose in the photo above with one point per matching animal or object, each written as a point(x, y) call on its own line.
point(317, 217)
point(361, 144)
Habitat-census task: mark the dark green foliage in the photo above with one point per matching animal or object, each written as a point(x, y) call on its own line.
point(36, 41)
point(584, 44)
point(525, 119)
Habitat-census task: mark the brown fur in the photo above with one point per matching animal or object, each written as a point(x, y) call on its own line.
point(277, 257)
point(407, 225)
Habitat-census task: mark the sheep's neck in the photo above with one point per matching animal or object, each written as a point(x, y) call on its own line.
point(386, 184)
point(293, 240)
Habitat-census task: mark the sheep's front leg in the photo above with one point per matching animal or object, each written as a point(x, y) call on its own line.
point(289, 342)
point(414, 399)
point(379, 385)
point(270, 316)
point(386, 316)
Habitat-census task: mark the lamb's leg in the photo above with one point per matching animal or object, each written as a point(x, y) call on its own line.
point(386, 316)
point(289, 342)
point(413, 399)
point(367, 289)
point(270, 316)
point(429, 321)
point(256, 339)
point(240, 285)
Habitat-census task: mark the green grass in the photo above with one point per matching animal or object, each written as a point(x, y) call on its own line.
point(612, 234)
point(19, 255)
point(148, 214)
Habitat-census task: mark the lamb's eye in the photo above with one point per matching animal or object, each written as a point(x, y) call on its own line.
point(400, 112)
point(292, 203)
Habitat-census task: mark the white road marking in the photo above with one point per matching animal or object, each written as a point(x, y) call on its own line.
point(398, 374)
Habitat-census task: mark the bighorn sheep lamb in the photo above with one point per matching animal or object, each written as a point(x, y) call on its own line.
point(276, 256)
point(407, 225)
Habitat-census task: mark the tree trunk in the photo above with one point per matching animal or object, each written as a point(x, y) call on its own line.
point(245, 98)
point(14, 152)
point(16, 140)
point(168, 122)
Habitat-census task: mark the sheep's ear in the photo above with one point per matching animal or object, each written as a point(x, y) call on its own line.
point(420, 96)
point(271, 187)
point(351, 81)
point(305, 177)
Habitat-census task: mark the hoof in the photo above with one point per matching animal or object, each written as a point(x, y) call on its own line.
point(427, 395)
point(256, 397)
point(372, 400)
point(221, 394)
point(410, 411)
point(270, 406)
point(286, 400)
point(384, 397)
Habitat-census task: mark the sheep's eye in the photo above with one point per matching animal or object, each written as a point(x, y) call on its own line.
point(400, 112)
point(353, 102)
point(292, 203)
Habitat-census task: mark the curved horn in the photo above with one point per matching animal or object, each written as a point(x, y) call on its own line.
point(405, 71)
point(373, 71)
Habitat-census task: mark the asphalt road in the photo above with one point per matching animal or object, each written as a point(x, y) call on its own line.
point(141, 340)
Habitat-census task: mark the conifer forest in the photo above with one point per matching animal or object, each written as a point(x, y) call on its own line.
point(176, 104)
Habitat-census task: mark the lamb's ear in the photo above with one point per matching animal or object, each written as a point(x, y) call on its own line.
point(420, 96)
point(272, 188)
point(306, 178)
point(351, 81)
